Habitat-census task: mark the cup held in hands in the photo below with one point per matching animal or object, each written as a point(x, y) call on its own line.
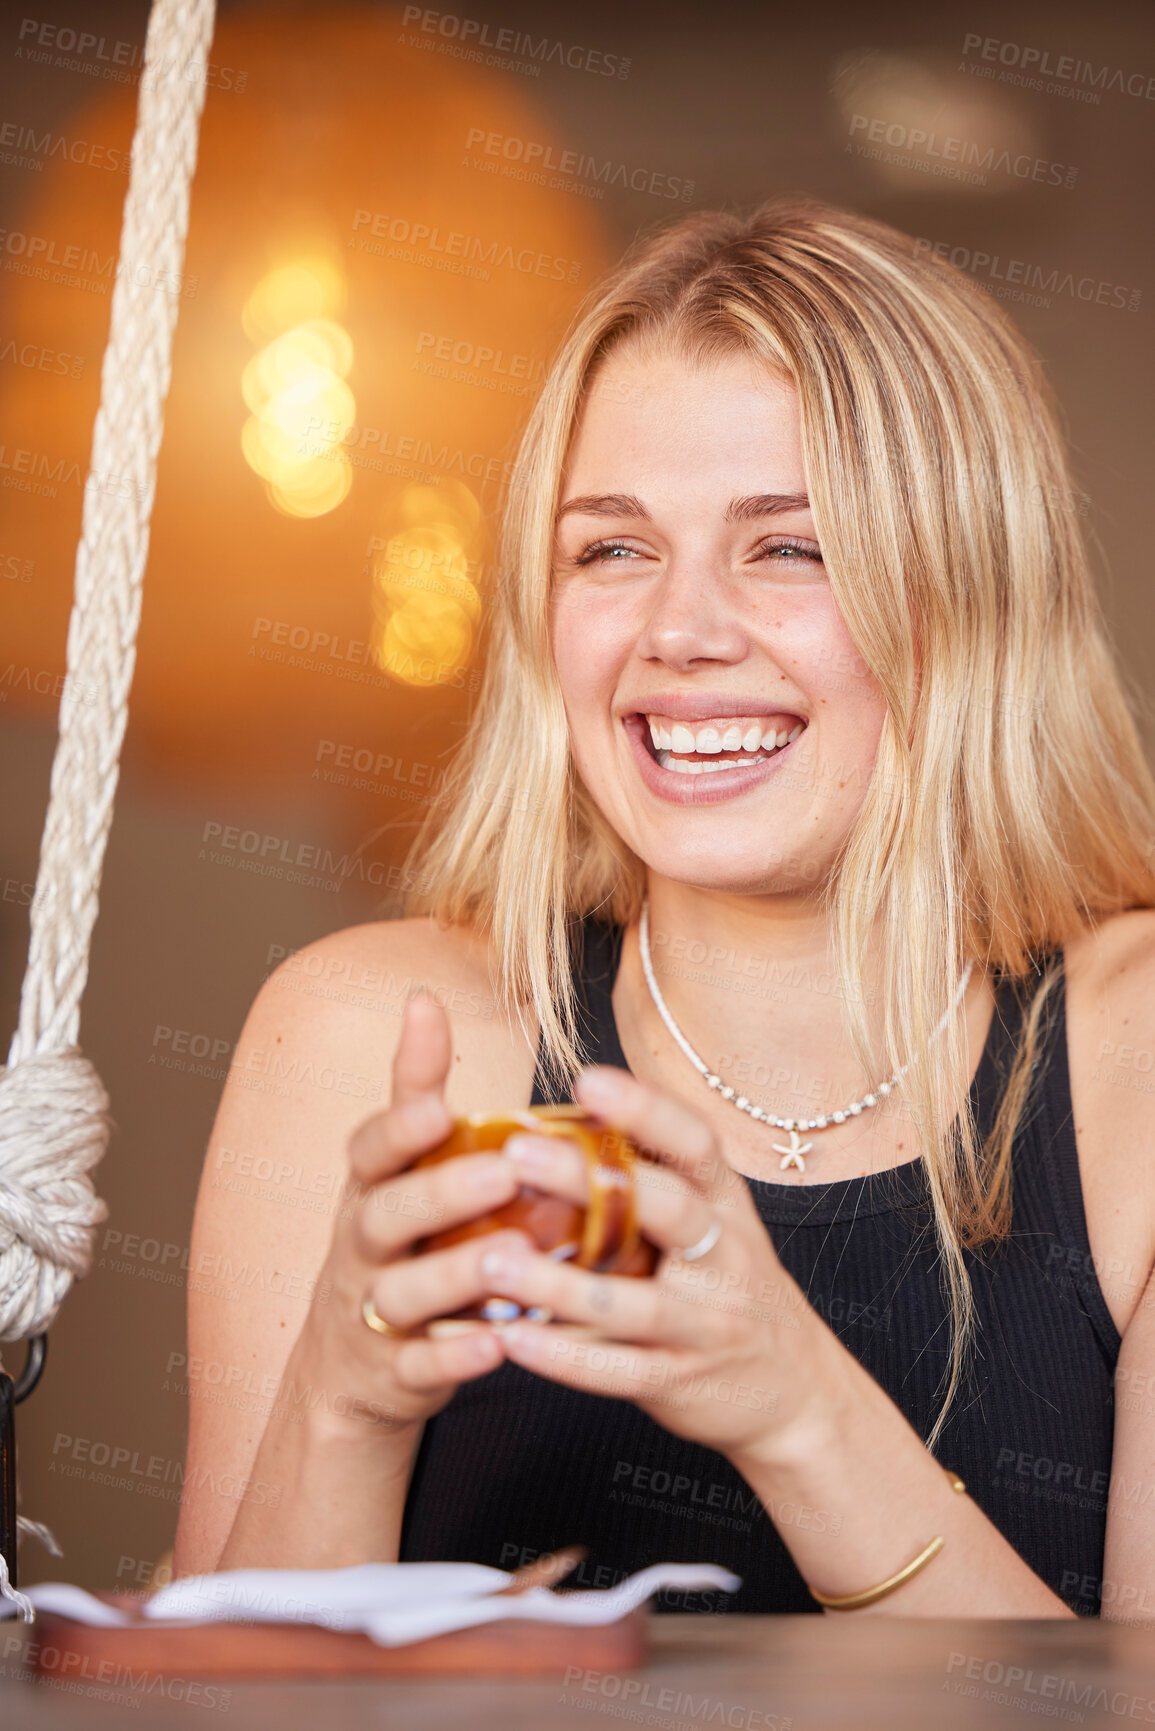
point(603, 1236)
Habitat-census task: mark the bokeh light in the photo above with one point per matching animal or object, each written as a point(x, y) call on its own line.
point(320, 403)
point(426, 599)
point(301, 407)
point(921, 97)
point(311, 287)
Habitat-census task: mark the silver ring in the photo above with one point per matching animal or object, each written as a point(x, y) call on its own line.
point(705, 1243)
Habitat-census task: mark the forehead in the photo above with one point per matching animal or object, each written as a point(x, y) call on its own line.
point(662, 420)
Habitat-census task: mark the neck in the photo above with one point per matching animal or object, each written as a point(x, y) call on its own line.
point(752, 983)
point(737, 930)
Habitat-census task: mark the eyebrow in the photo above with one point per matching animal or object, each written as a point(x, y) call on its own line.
point(765, 505)
point(741, 510)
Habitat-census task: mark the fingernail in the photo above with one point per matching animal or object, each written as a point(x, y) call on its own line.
point(532, 1153)
point(602, 1084)
point(488, 1176)
point(502, 1264)
point(480, 1346)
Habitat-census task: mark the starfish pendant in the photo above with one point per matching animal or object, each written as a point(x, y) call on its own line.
point(792, 1156)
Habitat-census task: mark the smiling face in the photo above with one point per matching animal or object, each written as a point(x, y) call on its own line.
point(695, 632)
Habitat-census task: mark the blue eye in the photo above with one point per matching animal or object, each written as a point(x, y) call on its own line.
point(601, 549)
point(795, 550)
point(618, 552)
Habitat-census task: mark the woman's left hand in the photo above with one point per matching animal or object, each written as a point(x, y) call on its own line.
point(722, 1349)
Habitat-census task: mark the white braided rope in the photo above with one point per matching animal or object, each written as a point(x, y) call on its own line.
point(7, 1591)
point(53, 1111)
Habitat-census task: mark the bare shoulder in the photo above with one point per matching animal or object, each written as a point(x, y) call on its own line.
point(313, 1062)
point(345, 994)
point(1111, 1050)
point(315, 1059)
point(1111, 993)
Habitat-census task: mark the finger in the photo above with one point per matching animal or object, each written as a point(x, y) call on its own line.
point(671, 1212)
point(580, 1359)
point(671, 1131)
point(551, 1163)
point(417, 1118)
point(424, 1054)
point(424, 1366)
point(415, 1204)
point(665, 1383)
point(419, 1289)
point(611, 1304)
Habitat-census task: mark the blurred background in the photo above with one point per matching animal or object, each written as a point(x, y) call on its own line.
point(396, 211)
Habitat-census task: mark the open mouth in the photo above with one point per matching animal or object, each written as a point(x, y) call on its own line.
point(708, 748)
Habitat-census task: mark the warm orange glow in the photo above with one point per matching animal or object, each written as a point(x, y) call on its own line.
point(426, 643)
point(293, 294)
point(295, 387)
point(272, 575)
point(425, 600)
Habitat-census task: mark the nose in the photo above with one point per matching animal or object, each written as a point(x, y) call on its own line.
point(691, 619)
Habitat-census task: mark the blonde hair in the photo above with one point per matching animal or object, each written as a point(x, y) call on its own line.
point(1010, 806)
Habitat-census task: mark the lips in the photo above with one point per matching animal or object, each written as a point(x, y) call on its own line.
point(698, 706)
point(711, 785)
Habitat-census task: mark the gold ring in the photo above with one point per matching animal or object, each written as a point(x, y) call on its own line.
point(377, 1323)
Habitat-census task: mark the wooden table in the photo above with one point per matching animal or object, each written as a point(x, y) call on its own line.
point(735, 1673)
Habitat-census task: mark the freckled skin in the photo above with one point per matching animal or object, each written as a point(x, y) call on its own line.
point(690, 602)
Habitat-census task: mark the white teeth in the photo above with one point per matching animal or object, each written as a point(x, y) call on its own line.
point(681, 766)
point(710, 740)
point(674, 742)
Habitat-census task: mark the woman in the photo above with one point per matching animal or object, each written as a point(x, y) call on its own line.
point(796, 668)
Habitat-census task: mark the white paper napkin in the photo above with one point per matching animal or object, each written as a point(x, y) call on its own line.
point(391, 1602)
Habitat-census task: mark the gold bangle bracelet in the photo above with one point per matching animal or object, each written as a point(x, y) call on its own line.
point(855, 1601)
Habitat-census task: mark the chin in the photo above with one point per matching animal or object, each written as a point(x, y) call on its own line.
point(721, 873)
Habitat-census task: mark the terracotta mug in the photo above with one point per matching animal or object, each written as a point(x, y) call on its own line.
point(603, 1237)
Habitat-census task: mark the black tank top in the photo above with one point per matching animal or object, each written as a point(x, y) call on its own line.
point(517, 1465)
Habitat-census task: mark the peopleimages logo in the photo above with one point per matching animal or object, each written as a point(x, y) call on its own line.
point(1064, 69)
point(465, 253)
point(59, 45)
point(468, 37)
point(963, 157)
point(39, 256)
point(1035, 280)
point(30, 149)
point(1058, 1696)
point(569, 170)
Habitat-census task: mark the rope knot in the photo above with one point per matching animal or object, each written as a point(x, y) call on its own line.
point(54, 1127)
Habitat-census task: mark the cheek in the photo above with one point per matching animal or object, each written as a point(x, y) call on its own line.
point(821, 653)
point(588, 653)
point(565, 646)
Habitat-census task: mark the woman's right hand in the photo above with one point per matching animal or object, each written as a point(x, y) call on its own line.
point(401, 1380)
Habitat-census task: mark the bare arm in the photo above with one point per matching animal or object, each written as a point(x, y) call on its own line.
point(1127, 1590)
point(303, 1422)
point(1111, 1000)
